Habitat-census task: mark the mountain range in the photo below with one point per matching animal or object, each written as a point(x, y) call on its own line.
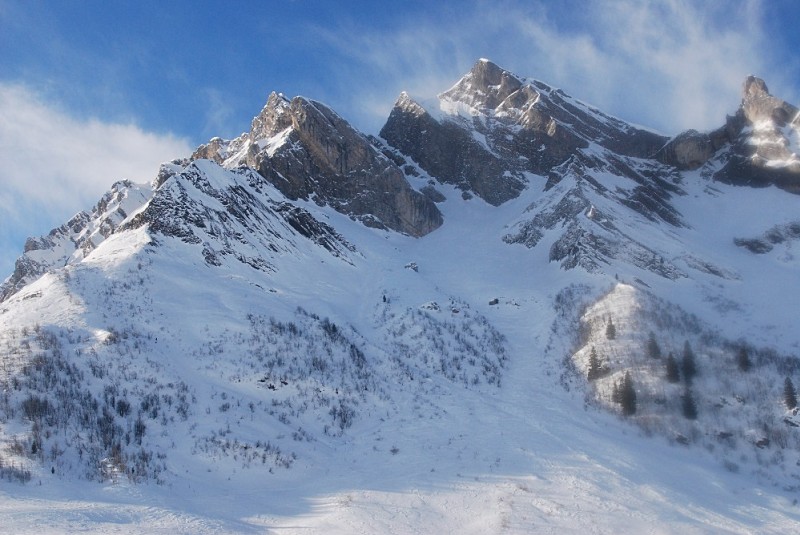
point(492, 317)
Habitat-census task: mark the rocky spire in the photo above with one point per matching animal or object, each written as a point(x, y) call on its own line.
point(753, 88)
point(759, 105)
point(761, 152)
point(485, 86)
point(273, 118)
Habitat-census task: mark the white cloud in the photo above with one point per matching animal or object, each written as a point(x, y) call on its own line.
point(667, 64)
point(219, 113)
point(53, 165)
point(672, 63)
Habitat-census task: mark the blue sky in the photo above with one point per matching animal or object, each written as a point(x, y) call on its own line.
point(95, 91)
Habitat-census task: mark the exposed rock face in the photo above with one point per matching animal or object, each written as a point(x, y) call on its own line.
point(779, 234)
point(759, 105)
point(688, 150)
point(449, 152)
point(765, 141)
point(491, 129)
point(762, 141)
point(308, 152)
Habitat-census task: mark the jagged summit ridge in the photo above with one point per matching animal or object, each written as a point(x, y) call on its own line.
point(492, 134)
point(228, 217)
point(308, 151)
point(492, 130)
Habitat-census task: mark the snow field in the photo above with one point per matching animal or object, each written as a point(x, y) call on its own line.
point(426, 449)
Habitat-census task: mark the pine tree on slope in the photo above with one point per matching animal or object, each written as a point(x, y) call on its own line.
point(673, 372)
point(653, 349)
point(789, 394)
point(689, 405)
point(627, 395)
point(595, 368)
point(743, 359)
point(611, 330)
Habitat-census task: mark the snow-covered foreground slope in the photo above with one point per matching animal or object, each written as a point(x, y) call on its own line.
point(377, 392)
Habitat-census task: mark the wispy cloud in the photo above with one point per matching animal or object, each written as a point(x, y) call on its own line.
point(53, 165)
point(219, 113)
point(667, 64)
point(673, 64)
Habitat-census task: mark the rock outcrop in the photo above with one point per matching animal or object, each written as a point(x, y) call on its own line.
point(767, 141)
point(308, 152)
point(450, 153)
point(492, 129)
point(761, 142)
point(688, 150)
point(247, 221)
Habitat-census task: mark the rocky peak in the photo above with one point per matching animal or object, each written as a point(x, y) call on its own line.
point(485, 86)
point(308, 151)
point(754, 87)
point(759, 105)
point(409, 105)
point(273, 118)
point(493, 130)
point(764, 137)
point(761, 140)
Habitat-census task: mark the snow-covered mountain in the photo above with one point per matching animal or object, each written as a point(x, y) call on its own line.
point(492, 318)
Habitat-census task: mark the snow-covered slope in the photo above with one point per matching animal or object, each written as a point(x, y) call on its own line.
point(71, 242)
point(233, 358)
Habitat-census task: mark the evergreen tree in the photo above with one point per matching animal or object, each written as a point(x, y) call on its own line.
point(689, 405)
point(611, 331)
point(673, 372)
point(616, 396)
point(627, 395)
point(789, 394)
point(595, 368)
point(743, 359)
point(653, 349)
point(688, 366)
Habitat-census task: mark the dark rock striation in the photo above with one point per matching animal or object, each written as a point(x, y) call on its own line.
point(491, 130)
point(244, 223)
point(308, 152)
